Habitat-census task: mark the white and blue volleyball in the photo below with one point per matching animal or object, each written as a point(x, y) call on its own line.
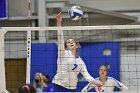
point(75, 12)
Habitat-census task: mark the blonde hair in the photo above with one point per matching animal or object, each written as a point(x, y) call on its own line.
point(42, 83)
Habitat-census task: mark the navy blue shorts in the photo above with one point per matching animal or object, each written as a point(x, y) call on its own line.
point(58, 88)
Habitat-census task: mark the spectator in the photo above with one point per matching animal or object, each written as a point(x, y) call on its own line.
point(39, 83)
point(27, 88)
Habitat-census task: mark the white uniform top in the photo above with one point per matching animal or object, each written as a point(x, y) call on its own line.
point(68, 70)
point(109, 85)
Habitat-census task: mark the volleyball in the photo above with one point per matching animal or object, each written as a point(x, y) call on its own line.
point(75, 12)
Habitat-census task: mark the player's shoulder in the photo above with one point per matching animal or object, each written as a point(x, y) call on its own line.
point(110, 78)
point(97, 78)
point(67, 52)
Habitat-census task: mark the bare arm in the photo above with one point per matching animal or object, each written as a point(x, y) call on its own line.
point(88, 77)
point(60, 37)
point(118, 84)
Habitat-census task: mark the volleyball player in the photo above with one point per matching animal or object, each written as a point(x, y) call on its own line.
point(69, 64)
point(108, 83)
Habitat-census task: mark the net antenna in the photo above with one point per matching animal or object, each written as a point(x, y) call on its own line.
point(28, 45)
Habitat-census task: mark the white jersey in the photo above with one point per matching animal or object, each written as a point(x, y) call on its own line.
point(68, 70)
point(109, 85)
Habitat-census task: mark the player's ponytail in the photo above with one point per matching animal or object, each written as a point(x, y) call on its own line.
point(107, 66)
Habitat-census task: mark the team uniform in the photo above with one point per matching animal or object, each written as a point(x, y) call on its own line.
point(109, 85)
point(68, 70)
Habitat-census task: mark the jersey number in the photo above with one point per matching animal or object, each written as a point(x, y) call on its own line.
point(75, 66)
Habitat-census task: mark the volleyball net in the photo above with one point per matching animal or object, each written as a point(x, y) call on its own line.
point(25, 51)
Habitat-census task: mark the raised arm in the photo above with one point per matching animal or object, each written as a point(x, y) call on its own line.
point(60, 37)
point(118, 84)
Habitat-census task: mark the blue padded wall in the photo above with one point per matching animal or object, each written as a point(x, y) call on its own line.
point(43, 59)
